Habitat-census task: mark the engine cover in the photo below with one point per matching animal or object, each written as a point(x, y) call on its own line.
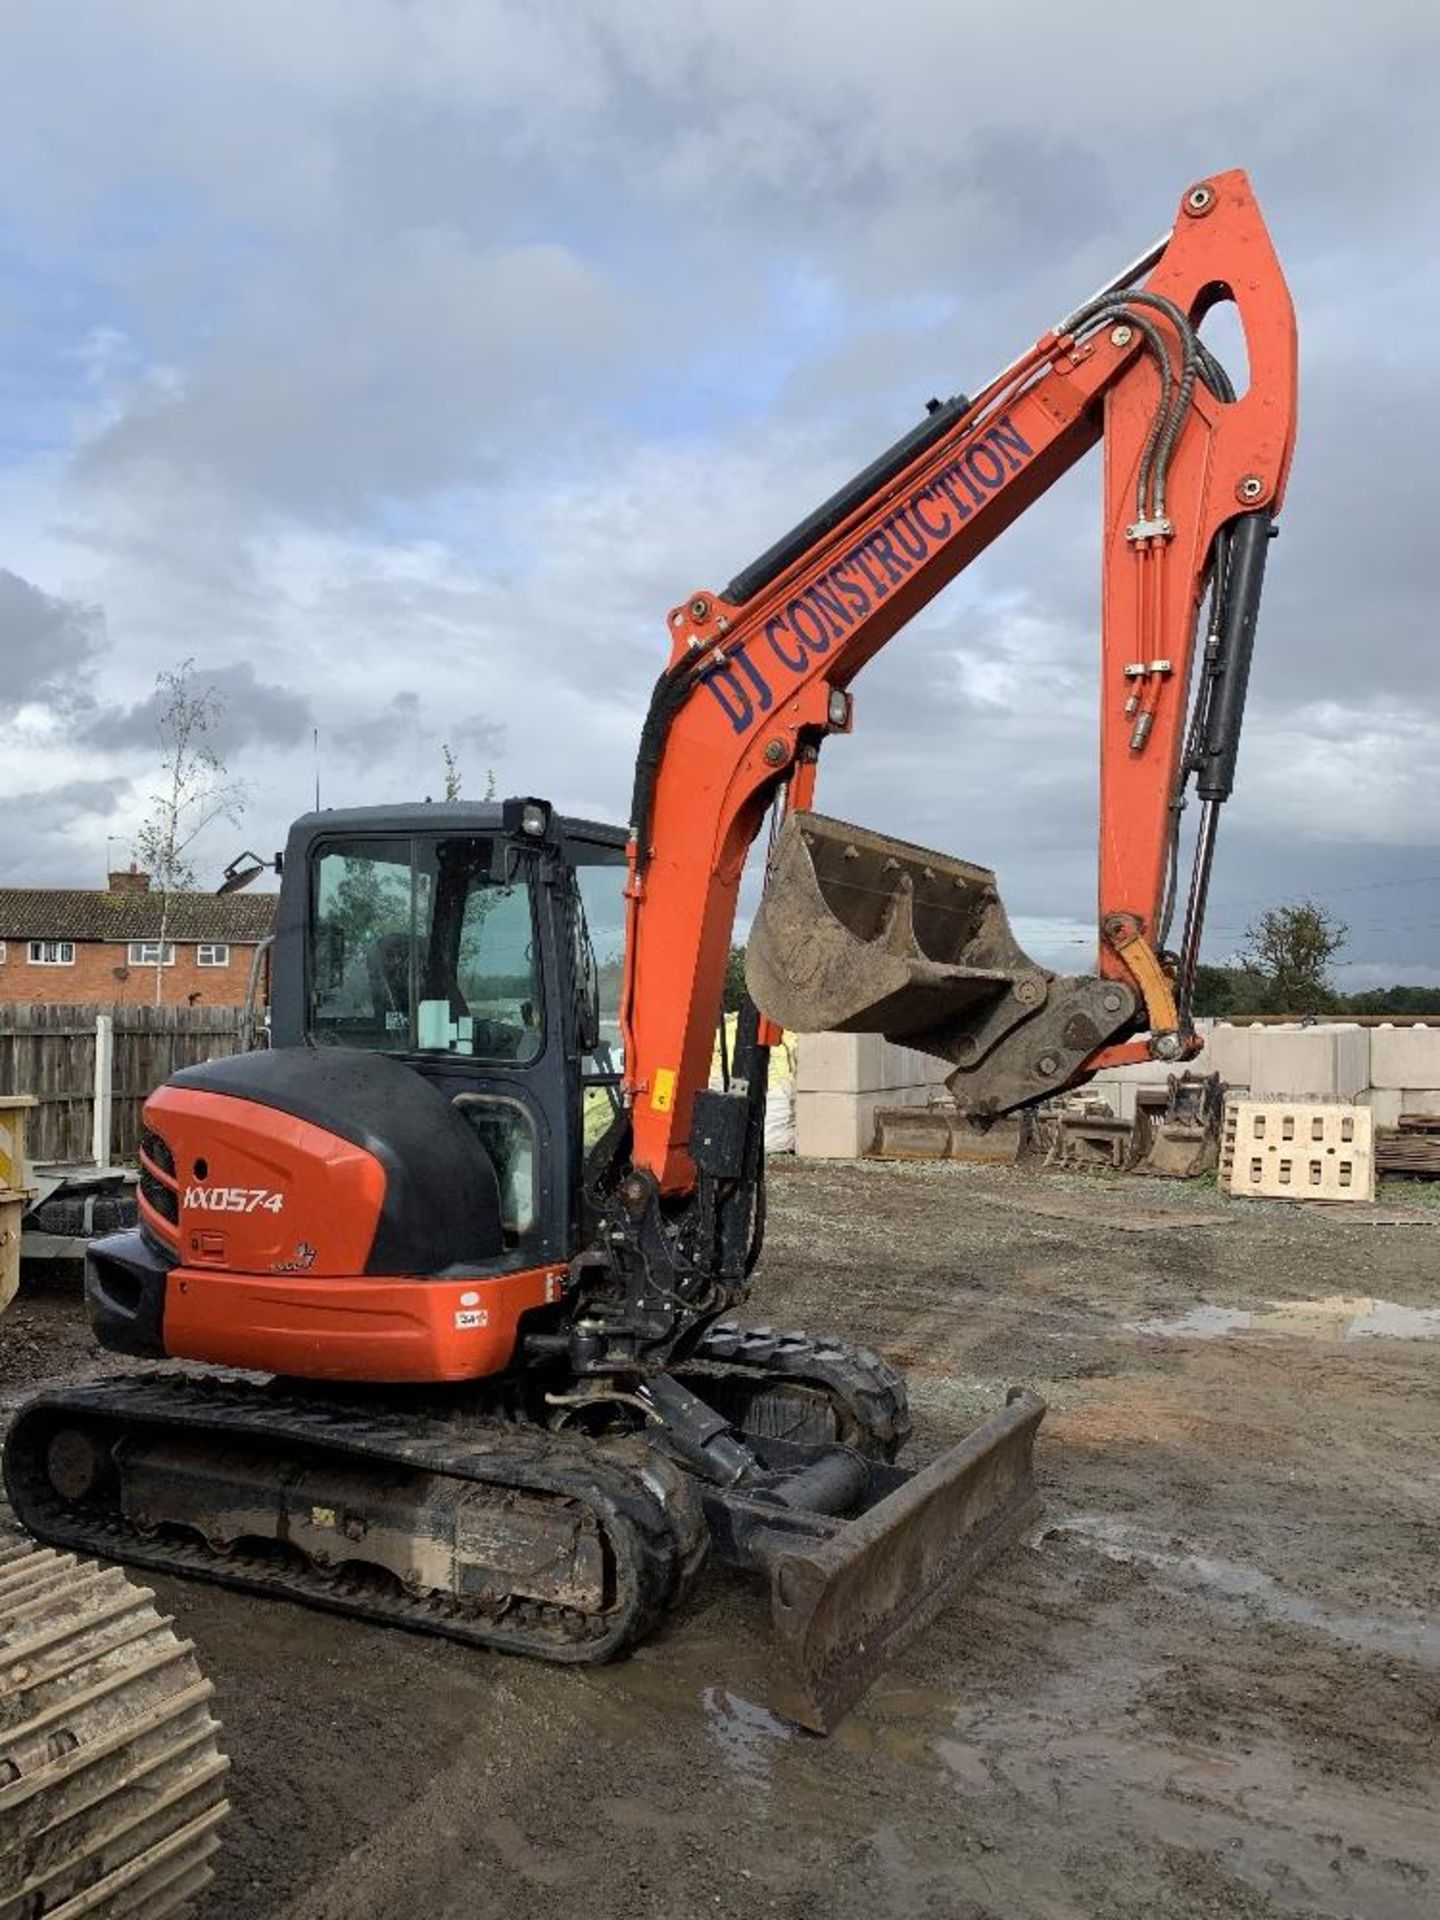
point(323, 1162)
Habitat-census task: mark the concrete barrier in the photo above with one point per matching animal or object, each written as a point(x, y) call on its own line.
point(1309, 1063)
point(1405, 1057)
point(841, 1078)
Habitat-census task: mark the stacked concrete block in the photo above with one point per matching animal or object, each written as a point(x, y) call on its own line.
point(1118, 1095)
point(839, 1062)
point(1386, 1105)
point(1404, 1072)
point(841, 1126)
point(1228, 1051)
point(840, 1080)
point(1405, 1057)
point(1309, 1063)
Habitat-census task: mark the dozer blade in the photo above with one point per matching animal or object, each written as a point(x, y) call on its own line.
point(860, 933)
point(843, 1606)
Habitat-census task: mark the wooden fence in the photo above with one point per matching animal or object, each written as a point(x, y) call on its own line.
point(51, 1052)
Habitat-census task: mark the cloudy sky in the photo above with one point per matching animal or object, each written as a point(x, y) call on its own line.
point(402, 362)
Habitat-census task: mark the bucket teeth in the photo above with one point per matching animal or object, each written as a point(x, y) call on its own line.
point(897, 932)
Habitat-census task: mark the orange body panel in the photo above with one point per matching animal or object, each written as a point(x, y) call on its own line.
point(276, 1222)
point(755, 721)
point(370, 1328)
point(259, 1190)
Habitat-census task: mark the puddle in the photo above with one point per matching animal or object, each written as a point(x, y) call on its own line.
point(1253, 1591)
point(746, 1734)
point(1339, 1317)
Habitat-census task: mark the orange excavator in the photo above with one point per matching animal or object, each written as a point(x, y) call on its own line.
point(505, 1399)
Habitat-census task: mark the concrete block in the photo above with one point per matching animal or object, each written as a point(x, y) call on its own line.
point(1309, 1063)
point(1384, 1104)
point(1388, 1103)
point(863, 1063)
point(839, 1062)
point(1405, 1057)
point(828, 1126)
point(1118, 1094)
point(1143, 1073)
point(1227, 1052)
point(841, 1126)
point(908, 1067)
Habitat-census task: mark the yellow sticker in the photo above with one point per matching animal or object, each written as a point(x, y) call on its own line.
point(663, 1097)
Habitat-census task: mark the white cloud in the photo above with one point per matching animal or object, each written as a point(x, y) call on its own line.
point(414, 360)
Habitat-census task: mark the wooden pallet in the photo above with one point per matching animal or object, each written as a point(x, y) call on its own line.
point(1413, 1149)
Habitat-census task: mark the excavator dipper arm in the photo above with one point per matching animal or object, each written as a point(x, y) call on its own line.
point(759, 676)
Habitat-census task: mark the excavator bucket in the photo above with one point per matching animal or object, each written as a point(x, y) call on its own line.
point(1178, 1134)
point(843, 1606)
point(861, 933)
point(944, 1133)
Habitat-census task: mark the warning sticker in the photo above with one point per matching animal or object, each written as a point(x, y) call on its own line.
point(662, 1098)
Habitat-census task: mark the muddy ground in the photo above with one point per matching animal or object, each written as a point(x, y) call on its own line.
point(1211, 1688)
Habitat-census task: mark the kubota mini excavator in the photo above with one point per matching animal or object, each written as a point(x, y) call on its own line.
point(507, 1403)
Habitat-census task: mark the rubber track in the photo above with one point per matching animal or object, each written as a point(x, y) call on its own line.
point(654, 1524)
point(866, 1388)
point(111, 1782)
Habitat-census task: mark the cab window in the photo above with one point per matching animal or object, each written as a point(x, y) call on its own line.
point(425, 946)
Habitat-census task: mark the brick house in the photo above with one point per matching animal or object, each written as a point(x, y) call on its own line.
point(69, 947)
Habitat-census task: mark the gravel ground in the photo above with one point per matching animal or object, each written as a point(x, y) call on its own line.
point(1212, 1687)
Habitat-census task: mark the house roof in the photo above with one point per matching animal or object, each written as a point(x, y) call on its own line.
point(64, 913)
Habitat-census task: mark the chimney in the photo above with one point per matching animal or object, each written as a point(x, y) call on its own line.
point(132, 882)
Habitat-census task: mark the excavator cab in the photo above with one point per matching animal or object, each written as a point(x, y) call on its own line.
point(442, 1030)
point(458, 941)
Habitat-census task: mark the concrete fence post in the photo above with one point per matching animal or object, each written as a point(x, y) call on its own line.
point(103, 1119)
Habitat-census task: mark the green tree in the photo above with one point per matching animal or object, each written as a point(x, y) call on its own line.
point(1395, 1000)
point(1290, 949)
point(1223, 992)
point(734, 979)
point(1214, 990)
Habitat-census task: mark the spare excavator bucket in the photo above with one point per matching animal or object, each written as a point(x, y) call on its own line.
point(861, 933)
point(843, 1604)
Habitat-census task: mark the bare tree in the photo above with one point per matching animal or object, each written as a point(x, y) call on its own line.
point(194, 790)
point(453, 778)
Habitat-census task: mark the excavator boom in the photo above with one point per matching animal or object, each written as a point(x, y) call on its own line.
point(868, 934)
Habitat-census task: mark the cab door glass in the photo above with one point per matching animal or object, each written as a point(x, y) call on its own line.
point(600, 876)
point(600, 879)
point(367, 905)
